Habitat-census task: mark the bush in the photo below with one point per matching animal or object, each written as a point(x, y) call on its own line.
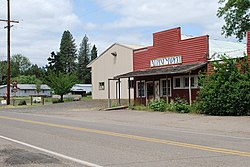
point(226, 90)
point(158, 105)
point(179, 105)
point(22, 102)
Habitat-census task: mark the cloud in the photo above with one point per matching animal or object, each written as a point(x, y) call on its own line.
point(42, 23)
point(140, 13)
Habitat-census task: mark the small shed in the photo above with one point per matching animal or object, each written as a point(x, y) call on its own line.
point(81, 89)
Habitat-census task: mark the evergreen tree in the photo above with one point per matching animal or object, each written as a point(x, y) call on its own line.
point(83, 61)
point(93, 53)
point(54, 63)
point(66, 57)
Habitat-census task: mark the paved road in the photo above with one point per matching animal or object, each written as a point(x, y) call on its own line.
point(68, 136)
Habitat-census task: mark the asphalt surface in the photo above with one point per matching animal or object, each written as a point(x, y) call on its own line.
point(121, 138)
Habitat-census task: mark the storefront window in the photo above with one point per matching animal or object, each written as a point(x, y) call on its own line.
point(177, 82)
point(140, 88)
point(186, 82)
point(163, 87)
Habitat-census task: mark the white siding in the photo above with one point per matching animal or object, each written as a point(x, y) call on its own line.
point(107, 66)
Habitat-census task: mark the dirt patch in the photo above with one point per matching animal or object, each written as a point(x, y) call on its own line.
point(23, 157)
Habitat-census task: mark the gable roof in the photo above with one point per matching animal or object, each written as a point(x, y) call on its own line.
point(220, 47)
point(131, 47)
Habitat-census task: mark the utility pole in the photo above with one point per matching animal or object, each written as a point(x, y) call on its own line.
point(8, 54)
point(8, 49)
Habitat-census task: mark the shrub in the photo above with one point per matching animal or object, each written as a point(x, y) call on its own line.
point(179, 105)
point(158, 105)
point(226, 90)
point(22, 102)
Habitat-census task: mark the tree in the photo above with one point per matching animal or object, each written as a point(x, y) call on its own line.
point(66, 57)
point(83, 61)
point(93, 53)
point(38, 86)
point(226, 90)
point(19, 64)
point(61, 83)
point(237, 17)
point(26, 79)
point(38, 72)
point(3, 72)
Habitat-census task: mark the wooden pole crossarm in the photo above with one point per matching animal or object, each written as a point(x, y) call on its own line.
point(12, 21)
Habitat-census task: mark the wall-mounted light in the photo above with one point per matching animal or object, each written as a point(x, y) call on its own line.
point(114, 53)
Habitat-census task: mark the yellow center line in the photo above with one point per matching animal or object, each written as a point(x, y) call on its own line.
point(135, 137)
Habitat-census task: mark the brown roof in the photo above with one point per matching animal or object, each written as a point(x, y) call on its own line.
point(178, 69)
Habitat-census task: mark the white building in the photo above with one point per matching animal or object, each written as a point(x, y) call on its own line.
point(116, 60)
point(81, 89)
point(26, 90)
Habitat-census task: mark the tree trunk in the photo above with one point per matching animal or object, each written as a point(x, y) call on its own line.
point(62, 98)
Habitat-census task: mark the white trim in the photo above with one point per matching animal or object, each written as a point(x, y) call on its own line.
point(137, 90)
point(161, 90)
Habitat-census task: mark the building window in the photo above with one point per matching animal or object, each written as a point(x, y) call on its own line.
point(192, 82)
point(186, 82)
point(177, 82)
point(131, 84)
point(101, 86)
point(140, 87)
point(164, 87)
point(25, 90)
point(183, 82)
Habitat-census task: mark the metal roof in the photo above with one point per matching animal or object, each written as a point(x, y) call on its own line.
point(220, 47)
point(29, 86)
point(81, 87)
point(178, 69)
point(230, 49)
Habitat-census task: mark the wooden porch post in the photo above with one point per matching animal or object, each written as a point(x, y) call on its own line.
point(189, 88)
point(119, 87)
point(109, 101)
point(128, 91)
point(154, 86)
point(140, 93)
point(167, 89)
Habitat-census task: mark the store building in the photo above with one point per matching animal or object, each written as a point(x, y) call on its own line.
point(115, 60)
point(170, 68)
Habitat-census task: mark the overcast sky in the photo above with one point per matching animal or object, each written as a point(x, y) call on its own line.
point(105, 22)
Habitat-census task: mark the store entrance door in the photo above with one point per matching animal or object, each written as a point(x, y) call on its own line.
point(150, 91)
